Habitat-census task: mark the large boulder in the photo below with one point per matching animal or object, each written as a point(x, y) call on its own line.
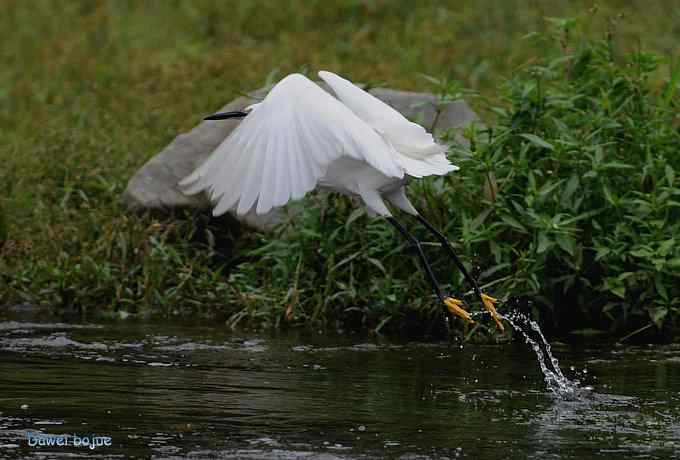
point(154, 186)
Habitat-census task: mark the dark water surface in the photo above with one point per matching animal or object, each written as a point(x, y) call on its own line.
point(204, 392)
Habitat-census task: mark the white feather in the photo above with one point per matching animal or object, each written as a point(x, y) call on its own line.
point(284, 146)
point(408, 138)
point(300, 136)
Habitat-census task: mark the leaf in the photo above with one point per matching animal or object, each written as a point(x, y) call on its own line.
point(479, 220)
point(501, 112)
point(544, 243)
point(511, 221)
point(619, 291)
point(354, 216)
point(657, 315)
point(498, 256)
point(566, 243)
point(431, 79)
point(670, 175)
point(538, 141)
point(382, 324)
point(344, 261)
point(602, 252)
point(487, 273)
point(562, 23)
point(642, 253)
point(518, 207)
point(666, 247)
point(585, 215)
point(625, 275)
point(532, 35)
point(672, 84)
point(616, 165)
point(608, 195)
point(310, 233)
point(548, 187)
point(569, 189)
point(660, 287)
point(378, 264)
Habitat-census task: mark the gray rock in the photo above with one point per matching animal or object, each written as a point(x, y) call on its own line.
point(154, 186)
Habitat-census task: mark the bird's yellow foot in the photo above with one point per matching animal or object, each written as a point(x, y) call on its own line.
point(490, 305)
point(455, 307)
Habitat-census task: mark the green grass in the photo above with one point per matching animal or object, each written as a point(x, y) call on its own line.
point(90, 90)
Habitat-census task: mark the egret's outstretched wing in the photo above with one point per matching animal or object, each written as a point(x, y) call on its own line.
point(420, 154)
point(284, 146)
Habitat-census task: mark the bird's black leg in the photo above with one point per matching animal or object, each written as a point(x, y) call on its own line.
point(487, 301)
point(455, 306)
point(449, 249)
point(416, 245)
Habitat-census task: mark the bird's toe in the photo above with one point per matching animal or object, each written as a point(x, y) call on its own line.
point(490, 305)
point(455, 306)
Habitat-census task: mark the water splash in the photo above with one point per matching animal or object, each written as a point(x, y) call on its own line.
point(556, 365)
point(555, 380)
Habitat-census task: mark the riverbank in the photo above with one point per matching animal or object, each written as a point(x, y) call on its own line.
point(579, 178)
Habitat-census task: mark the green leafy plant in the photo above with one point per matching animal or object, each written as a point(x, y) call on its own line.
point(580, 212)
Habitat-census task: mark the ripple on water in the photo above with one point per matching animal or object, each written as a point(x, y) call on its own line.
point(178, 394)
point(27, 326)
point(56, 340)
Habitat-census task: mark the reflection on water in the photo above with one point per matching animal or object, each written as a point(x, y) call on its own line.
point(173, 392)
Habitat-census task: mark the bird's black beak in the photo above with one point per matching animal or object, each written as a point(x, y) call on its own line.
point(226, 115)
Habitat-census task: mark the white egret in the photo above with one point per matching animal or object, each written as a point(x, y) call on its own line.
point(300, 137)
